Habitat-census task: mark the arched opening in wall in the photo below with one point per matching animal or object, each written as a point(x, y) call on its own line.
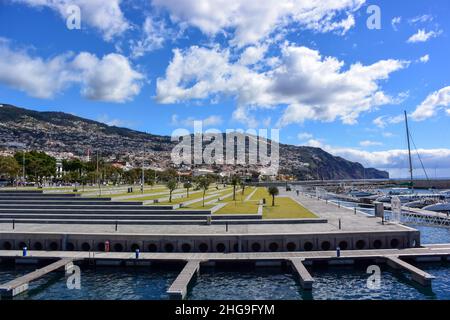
point(273, 246)
point(70, 246)
point(118, 247)
point(37, 246)
point(7, 245)
point(394, 243)
point(377, 244)
point(256, 247)
point(291, 246)
point(135, 247)
point(101, 247)
point(152, 247)
point(169, 247)
point(236, 247)
point(220, 247)
point(308, 246)
point(186, 247)
point(53, 246)
point(360, 244)
point(343, 245)
point(203, 247)
point(326, 245)
point(86, 246)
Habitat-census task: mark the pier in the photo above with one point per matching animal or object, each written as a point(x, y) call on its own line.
point(418, 275)
point(20, 285)
point(306, 280)
point(179, 288)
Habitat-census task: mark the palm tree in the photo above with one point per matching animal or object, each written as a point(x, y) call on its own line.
point(243, 188)
point(187, 185)
point(171, 185)
point(203, 184)
point(273, 191)
point(234, 182)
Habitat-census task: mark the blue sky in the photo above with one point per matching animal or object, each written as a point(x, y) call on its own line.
point(311, 68)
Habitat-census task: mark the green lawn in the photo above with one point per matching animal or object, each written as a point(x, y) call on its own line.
point(197, 195)
point(239, 207)
point(260, 194)
point(286, 208)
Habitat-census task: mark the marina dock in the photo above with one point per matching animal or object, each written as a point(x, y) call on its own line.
point(179, 288)
point(418, 275)
point(306, 280)
point(20, 285)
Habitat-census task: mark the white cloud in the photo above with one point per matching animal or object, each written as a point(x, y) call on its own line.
point(432, 104)
point(395, 161)
point(369, 143)
point(305, 136)
point(383, 121)
point(421, 19)
point(252, 55)
point(41, 78)
point(395, 22)
point(110, 78)
point(106, 119)
point(155, 33)
point(422, 36)
point(425, 58)
point(311, 86)
point(189, 122)
point(105, 16)
point(252, 21)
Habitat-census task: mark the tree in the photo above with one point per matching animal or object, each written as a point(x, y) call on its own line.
point(187, 185)
point(150, 177)
point(9, 167)
point(203, 184)
point(171, 185)
point(243, 188)
point(234, 182)
point(273, 191)
point(37, 164)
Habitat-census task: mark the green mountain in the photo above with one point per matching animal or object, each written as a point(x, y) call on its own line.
point(69, 135)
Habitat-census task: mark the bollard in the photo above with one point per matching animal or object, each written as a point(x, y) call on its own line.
point(340, 224)
point(137, 253)
point(14, 224)
point(227, 226)
point(24, 251)
point(355, 210)
point(338, 252)
point(117, 223)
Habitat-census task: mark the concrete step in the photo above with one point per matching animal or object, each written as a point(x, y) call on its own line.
point(37, 196)
point(5, 203)
point(51, 198)
point(17, 211)
point(162, 221)
point(21, 192)
point(112, 217)
point(108, 206)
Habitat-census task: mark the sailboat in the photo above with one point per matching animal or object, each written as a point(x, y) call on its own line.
point(424, 200)
point(407, 196)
